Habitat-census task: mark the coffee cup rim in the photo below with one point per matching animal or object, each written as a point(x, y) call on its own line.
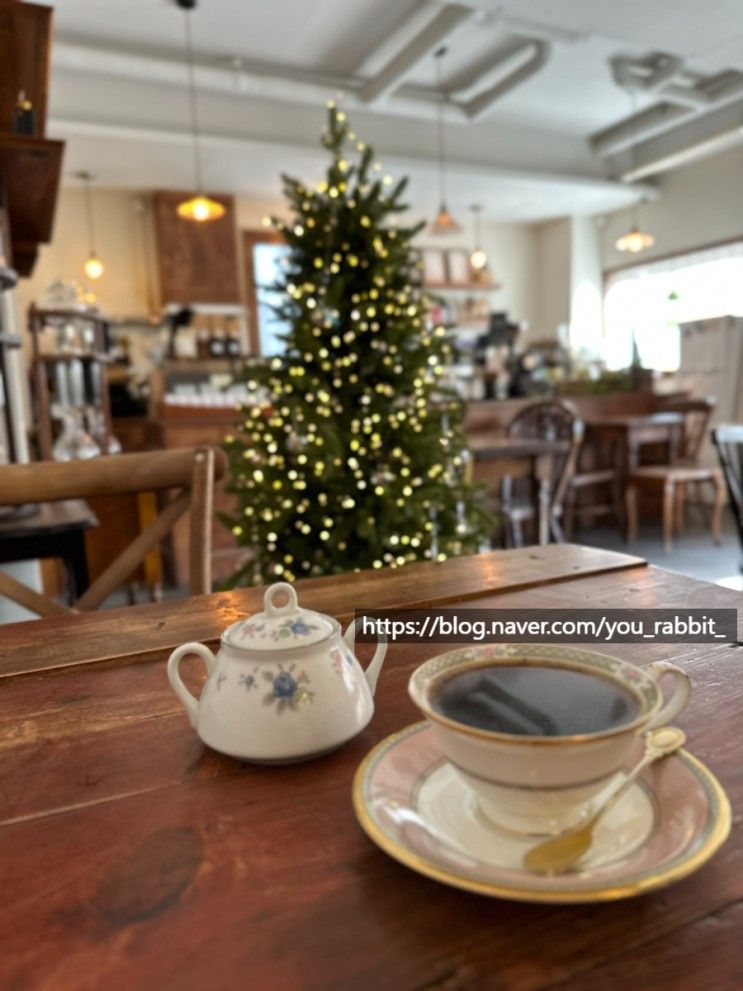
point(419, 693)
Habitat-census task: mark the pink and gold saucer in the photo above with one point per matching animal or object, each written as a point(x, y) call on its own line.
point(411, 803)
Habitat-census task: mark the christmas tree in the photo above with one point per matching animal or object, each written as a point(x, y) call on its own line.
point(358, 458)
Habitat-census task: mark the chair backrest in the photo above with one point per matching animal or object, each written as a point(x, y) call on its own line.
point(697, 414)
point(552, 419)
point(728, 439)
point(191, 472)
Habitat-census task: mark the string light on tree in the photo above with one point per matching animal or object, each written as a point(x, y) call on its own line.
point(344, 464)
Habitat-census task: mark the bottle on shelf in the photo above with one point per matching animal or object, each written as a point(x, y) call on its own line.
point(217, 343)
point(202, 342)
point(233, 341)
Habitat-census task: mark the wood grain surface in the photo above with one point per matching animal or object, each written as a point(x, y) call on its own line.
point(133, 856)
point(122, 635)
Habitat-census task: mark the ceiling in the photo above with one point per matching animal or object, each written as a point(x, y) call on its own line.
point(266, 69)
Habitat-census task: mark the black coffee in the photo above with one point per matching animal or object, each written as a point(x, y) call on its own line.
point(528, 700)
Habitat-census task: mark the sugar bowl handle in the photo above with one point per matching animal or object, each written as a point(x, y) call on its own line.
point(190, 702)
point(372, 672)
point(679, 696)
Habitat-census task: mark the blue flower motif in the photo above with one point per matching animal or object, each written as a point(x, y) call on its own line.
point(287, 691)
point(249, 681)
point(284, 686)
point(299, 627)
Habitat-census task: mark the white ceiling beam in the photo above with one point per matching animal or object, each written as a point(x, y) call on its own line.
point(69, 127)
point(631, 130)
point(402, 65)
point(481, 104)
point(699, 138)
point(300, 86)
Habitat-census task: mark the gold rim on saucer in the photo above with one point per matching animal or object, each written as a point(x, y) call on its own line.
point(540, 888)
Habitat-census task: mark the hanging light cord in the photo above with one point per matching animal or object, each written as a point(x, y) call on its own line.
point(439, 54)
point(193, 102)
point(89, 211)
point(633, 159)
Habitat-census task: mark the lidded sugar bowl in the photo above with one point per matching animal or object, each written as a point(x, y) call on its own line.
point(284, 686)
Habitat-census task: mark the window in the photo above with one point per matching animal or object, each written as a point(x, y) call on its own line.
point(264, 252)
point(644, 304)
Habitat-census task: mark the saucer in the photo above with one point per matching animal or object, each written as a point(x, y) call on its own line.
point(411, 803)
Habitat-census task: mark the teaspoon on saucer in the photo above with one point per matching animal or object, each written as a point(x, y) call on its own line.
point(560, 853)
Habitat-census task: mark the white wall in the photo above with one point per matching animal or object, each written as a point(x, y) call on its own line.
point(698, 205)
point(551, 286)
point(124, 244)
point(586, 289)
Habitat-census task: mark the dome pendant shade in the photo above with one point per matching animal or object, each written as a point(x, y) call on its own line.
point(201, 209)
point(634, 241)
point(444, 222)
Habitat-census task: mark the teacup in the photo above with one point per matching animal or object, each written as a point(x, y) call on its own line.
point(540, 784)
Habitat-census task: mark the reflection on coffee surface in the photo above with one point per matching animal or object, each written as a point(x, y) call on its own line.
point(534, 701)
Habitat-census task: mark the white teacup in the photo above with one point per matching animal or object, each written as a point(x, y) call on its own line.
point(543, 785)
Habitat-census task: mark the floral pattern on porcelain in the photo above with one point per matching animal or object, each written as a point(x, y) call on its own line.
point(249, 681)
point(343, 666)
point(293, 626)
point(287, 690)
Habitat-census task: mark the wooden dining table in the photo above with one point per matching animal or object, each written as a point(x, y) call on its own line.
point(498, 457)
point(133, 857)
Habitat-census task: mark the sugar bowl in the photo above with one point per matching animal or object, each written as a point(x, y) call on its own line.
point(284, 686)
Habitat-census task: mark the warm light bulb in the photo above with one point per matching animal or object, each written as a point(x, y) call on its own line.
point(634, 240)
point(94, 266)
point(200, 208)
point(478, 259)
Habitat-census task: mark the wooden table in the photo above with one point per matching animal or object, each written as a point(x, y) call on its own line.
point(133, 857)
point(56, 530)
point(515, 457)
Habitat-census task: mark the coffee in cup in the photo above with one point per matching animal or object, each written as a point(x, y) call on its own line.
point(540, 732)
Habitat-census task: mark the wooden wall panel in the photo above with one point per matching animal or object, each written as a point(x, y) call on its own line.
point(198, 263)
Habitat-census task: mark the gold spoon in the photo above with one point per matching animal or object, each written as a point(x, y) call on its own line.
point(559, 854)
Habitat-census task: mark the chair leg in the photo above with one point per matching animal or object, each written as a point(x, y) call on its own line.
point(680, 507)
point(706, 516)
point(517, 532)
point(556, 530)
point(717, 509)
point(630, 503)
point(568, 514)
point(668, 499)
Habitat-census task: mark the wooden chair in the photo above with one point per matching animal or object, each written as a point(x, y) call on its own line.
point(551, 419)
point(728, 439)
point(191, 471)
point(672, 480)
point(595, 477)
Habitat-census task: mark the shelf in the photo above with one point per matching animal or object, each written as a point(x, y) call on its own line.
point(30, 170)
point(51, 358)
point(483, 287)
point(208, 366)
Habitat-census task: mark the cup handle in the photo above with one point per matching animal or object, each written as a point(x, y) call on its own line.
point(679, 695)
point(190, 702)
point(375, 666)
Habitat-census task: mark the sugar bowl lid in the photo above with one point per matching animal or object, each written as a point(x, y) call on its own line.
point(282, 625)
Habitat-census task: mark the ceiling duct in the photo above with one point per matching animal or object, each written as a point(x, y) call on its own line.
point(684, 95)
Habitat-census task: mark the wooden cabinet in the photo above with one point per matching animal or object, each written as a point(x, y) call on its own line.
point(25, 30)
point(198, 262)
